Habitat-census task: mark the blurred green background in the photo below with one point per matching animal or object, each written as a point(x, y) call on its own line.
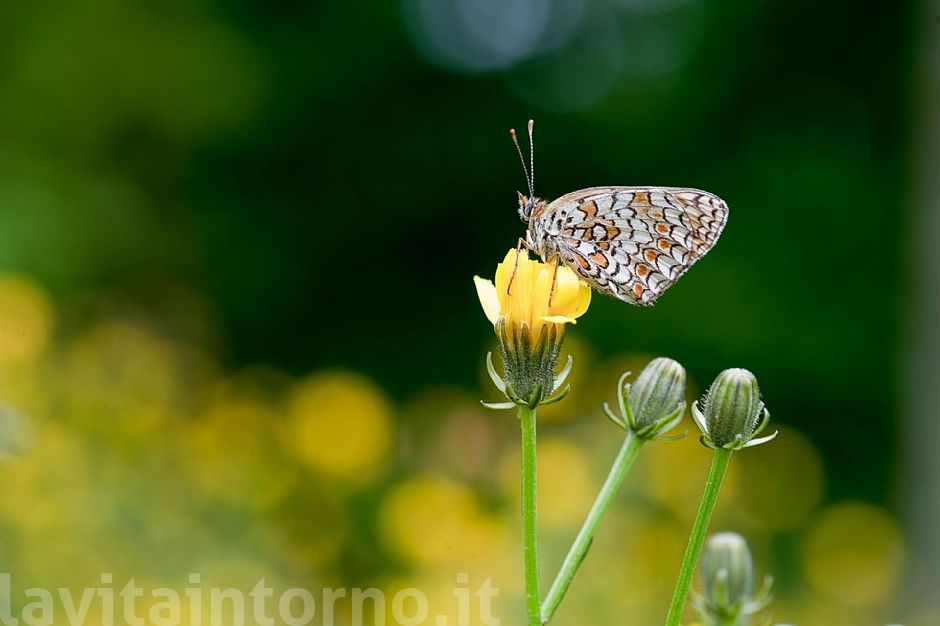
point(236, 309)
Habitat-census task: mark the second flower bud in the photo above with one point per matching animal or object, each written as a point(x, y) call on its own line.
point(655, 403)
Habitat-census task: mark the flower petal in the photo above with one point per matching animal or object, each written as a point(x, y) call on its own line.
point(559, 319)
point(505, 269)
point(571, 295)
point(514, 286)
point(486, 291)
point(531, 293)
point(582, 300)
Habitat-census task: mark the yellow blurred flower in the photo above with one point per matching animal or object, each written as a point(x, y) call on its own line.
point(121, 378)
point(855, 553)
point(26, 318)
point(435, 521)
point(231, 453)
point(529, 299)
point(341, 424)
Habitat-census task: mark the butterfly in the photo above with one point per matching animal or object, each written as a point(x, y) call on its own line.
point(631, 243)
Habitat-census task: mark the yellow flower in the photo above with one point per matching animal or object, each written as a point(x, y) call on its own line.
point(527, 302)
point(529, 316)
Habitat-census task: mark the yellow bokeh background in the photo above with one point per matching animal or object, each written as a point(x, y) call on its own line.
point(129, 450)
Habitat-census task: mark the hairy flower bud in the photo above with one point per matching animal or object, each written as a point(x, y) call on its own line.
point(658, 392)
point(727, 574)
point(727, 569)
point(731, 413)
point(654, 404)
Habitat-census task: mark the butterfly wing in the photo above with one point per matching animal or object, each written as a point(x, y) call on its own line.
point(633, 243)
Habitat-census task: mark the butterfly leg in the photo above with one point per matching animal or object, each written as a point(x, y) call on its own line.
point(519, 245)
point(551, 293)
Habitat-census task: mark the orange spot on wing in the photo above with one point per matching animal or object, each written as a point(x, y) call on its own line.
point(589, 208)
point(662, 228)
point(603, 245)
point(651, 256)
point(600, 259)
point(638, 290)
point(641, 197)
point(581, 260)
point(612, 231)
point(664, 245)
point(642, 270)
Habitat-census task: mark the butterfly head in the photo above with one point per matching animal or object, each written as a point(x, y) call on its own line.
point(529, 206)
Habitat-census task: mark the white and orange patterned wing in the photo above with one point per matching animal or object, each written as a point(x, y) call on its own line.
point(633, 243)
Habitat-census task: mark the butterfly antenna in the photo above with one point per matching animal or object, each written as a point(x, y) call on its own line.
point(531, 160)
point(515, 140)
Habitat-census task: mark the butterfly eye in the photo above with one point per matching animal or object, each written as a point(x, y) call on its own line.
point(525, 212)
point(525, 207)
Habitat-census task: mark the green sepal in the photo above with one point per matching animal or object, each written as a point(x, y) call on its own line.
point(615, 419)
point(658, 429)
point(536, 397)
point(563, 374)
point(494, 375)
point(499, 406)
point(558, 396)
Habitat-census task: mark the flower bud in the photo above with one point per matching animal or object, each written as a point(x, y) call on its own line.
point(658, 392)
point(727, 570)
point(727, 574)
point(732, 412)
point(654, 404)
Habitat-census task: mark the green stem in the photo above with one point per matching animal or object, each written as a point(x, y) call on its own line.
point(530, 544)
point(623, 462)
point(694, 548)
